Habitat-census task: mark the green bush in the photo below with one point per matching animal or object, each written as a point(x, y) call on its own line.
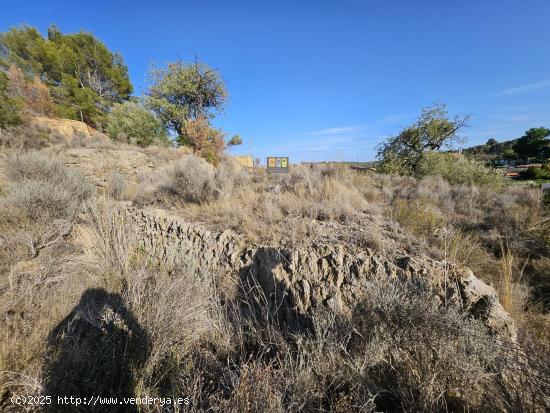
point(132, 122)
point(457, 169)
point(9, 108)
point(537, 173)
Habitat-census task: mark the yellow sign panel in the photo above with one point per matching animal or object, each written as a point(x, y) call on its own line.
point(277, 164)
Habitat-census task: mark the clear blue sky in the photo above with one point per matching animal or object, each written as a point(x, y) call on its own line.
point(328, 80)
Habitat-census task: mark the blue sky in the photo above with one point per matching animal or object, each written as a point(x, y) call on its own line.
point(328, 80)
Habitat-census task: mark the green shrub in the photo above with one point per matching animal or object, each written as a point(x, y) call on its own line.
point(457, 169)
point(9, 108)
point(132, 122)
point(536, 173)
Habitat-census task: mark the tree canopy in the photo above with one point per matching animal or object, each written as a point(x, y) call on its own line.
point(432, 131)
point(185, 97)
point(84, 77)
point(235, 140)
point(534, 145)
point(184, 92)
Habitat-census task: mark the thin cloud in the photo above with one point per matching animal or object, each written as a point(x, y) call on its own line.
point(335, 131)
point(328, 143)
point(524, 88)
point(396, 118)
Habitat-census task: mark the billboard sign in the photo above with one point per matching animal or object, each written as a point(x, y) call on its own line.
point(277, 164)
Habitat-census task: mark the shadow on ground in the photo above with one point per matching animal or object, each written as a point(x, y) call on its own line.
point(95, 351)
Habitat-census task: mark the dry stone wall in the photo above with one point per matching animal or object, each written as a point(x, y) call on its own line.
point(331, 275)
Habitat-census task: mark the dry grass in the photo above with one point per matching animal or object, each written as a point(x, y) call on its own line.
point(42, 199)
point(513, 295)
point(24, 138)
point(417, 217)
point(117, 186)
point(94, 313)
point(426, 357)
point(286, 209)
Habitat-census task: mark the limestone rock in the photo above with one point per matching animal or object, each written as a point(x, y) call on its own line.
point(323, 274)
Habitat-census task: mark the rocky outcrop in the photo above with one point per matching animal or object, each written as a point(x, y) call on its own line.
point(323, 274)
point(98, 165)
point(64, 127)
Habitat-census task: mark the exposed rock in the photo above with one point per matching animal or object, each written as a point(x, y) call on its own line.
point(64, 127)
point(324, 274)
point(98, 164)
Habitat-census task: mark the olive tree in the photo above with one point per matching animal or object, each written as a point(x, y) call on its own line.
point(185, 97)
point(184, 92)
point(432, 131)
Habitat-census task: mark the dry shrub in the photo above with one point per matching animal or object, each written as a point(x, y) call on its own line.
point(372, 239)
point(96, 349)
point(42, 200)
point(96, 140)
point(106, 235)
point(24, 137)
point(41, 275)
point(476, 220)
point(116, 186)
point(133, 331)
point(512, 294)
point(369, 186)
point(523, 385)
point(467, 203)
point(192, 179)
point(35, 166)
point(195, 180)
point(466, 249)
point(417, 355)
point(34, 293)
point(207, 142)
point(34, 296)
point(541, 277)
point(229, 176)
point(180, 312)
point(256, 391)
point(274, 207)
point(514, 211)
point(435, 190)
point(320, 192)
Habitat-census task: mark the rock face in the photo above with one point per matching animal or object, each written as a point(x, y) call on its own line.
point(64, 127)
point(300, 279)
point(98, 164)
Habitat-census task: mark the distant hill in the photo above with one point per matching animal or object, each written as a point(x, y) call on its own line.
point(490, 151)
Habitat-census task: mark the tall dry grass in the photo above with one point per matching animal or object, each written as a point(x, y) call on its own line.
point(106, 317)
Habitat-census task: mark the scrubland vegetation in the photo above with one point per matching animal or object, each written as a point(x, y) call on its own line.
point(87, 309)
point(80, 297)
